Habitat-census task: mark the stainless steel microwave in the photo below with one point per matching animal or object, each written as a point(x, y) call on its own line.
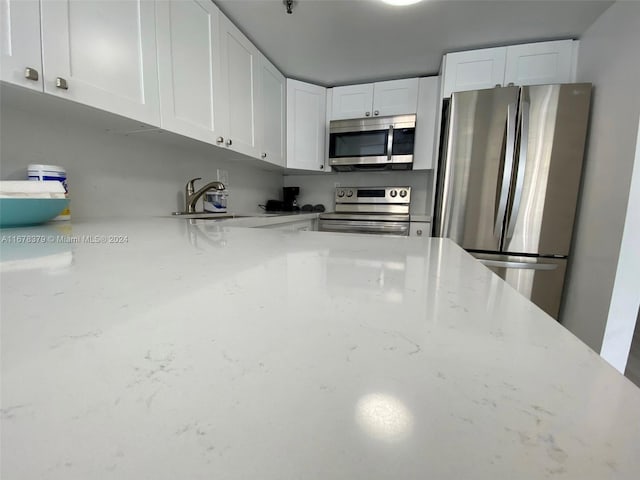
point(380, 143)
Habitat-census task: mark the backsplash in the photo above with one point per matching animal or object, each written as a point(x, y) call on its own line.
point(319, 188)
point(123, 175)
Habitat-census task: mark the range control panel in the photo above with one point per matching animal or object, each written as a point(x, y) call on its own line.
point(391, 195)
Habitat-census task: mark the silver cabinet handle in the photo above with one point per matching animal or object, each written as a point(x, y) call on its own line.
point(264, 155)
point(62, 83)
point(376, 112)
point(220, 140)
point(229, 143)
point(367, 114)
point(31, 74)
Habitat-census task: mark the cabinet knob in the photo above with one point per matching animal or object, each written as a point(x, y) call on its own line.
point(229, 143)
point(220, 140)
point(367, 114)
point(376, 112)
point(61, 83)
point(264, 155)
point(419, 233)
point(31, 74)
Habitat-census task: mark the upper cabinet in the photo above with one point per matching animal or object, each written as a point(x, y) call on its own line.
point(103, 54)
point(240, 70)
point(272, 123)
point(192, 98)
point(375, 99)
point(21, 62)
point(541, 63)
point(306, 125)
point(528, 64)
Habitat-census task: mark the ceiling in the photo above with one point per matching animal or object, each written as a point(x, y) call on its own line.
point(338, 42)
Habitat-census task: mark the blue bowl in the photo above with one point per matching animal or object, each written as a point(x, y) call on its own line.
point(23, 212)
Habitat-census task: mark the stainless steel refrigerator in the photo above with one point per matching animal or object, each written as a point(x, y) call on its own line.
point(508, 181)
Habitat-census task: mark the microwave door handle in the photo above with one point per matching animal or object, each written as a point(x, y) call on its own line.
point(507, 169)
point(522, 162)
point(390, 143)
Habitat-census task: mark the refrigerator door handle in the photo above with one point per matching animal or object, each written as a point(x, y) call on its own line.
point(507, 169)
point(522, 162)
point(518, 265)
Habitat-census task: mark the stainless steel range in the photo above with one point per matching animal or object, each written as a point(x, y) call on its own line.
point(376, 210)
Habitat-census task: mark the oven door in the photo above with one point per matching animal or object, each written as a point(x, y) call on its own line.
point(376, 227)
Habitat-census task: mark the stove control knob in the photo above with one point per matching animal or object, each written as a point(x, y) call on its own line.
point(393, 193)
point(403, 193)
point(350, 193)
point(340, 193)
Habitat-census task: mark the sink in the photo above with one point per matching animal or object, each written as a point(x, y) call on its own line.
point(208, 216)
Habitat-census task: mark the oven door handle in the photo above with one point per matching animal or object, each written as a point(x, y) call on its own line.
point(389, 228)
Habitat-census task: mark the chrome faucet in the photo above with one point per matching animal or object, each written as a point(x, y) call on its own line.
point(191, 197)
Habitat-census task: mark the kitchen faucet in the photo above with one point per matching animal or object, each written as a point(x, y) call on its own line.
point(190, 198)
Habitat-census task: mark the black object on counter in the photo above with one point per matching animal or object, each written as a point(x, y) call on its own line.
point(273, 206)
point(289, 203)
point(318, 208)
point(307, 208)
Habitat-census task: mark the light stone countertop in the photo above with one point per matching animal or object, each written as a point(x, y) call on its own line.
point(168, 349)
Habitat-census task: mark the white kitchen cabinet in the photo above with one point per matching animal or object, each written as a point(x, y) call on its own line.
point(419, 229)
point(473, 70)
point(540, 63)
point(306, 125)
point(20, 47)
point(272, 124)
point(352, 101)
point(526, 64)
point(427, 125)
point(394, 97)
point(240, 67)
point(192, 93)
point(103, 54)
point(294, 226)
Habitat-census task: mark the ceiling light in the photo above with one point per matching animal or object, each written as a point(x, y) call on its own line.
point(401, 3)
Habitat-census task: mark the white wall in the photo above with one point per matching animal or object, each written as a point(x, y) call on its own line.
point(112, 174)
point(625, 298)
point(320, 188)
point(609, 59)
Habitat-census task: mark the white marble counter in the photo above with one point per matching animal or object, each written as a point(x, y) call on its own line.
point(181, 351)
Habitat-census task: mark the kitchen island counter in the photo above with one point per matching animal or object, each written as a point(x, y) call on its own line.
point(174, 349)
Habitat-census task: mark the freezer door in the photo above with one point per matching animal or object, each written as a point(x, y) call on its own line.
point(552, 130)
point(475, 167)
point(539, 279)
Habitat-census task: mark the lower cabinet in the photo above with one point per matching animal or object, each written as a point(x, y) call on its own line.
point(295, 226)
point(420, 229)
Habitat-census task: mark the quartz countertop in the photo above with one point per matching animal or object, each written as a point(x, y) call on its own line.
point(173, 349)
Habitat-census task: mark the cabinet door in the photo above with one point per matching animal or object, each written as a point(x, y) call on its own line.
point(306, 125)
point(21, 62)
point(352, 101)
point(103, 54)
point(240, 66)
point(540, 63)
point(419, 229)
point(191, 91)
point(427, 125)
point(474, 70)
point(396, 97)
point(272, 123)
